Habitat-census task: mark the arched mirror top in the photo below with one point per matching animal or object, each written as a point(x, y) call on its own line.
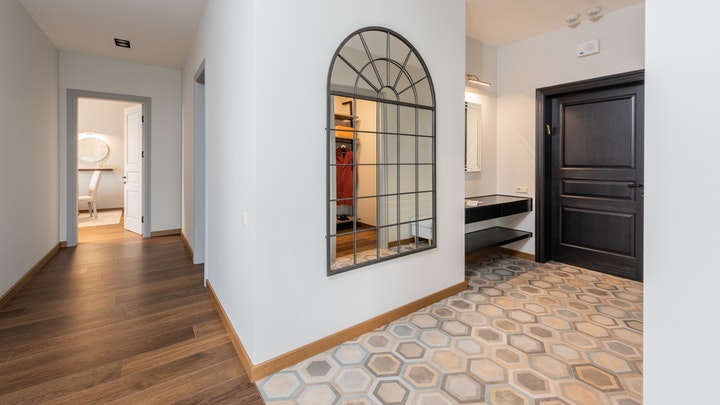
point(379, 63)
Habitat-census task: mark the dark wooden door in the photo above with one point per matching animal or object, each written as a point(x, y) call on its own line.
point(596, 180)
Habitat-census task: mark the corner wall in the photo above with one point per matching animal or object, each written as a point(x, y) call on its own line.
point(266, 157)
point(230, 127)
point(681, 328)
point(29, 151)
point(547, 60)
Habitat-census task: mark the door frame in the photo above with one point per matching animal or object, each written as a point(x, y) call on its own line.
point(199, 166)
point(72, 129)
point(543, 149)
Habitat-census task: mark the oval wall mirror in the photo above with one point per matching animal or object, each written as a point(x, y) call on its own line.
point(91, 149)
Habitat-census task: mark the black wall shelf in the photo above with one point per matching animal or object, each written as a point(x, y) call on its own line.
point(490, 207)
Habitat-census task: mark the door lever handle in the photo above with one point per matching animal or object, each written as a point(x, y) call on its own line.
point(639, 187)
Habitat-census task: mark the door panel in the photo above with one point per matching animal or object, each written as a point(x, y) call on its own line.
point(603, 231)
point(597, 161)
point(597, 188)
point(598, 133)
point(133, 169)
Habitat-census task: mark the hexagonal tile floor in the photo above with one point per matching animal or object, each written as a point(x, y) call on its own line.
point(522, 333)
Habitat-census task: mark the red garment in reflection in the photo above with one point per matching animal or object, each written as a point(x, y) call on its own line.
point(344, 175)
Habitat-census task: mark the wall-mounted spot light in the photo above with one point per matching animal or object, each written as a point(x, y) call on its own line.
point(594, 13)
point(122, 43)
point(474, 80)
point(573, 19)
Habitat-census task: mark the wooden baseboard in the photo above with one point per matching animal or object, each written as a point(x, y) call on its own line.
point(257, 371)
point(104, 209)
point(510, 252)
point(186, 243)
point(517, 253)
point(234, 338)
point(405, 241)
point(30, 273)
point(167, 232)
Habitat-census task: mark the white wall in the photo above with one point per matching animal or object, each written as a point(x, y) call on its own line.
point(162, 85)
point(230, 141)
point(270, 275)
point(28, 135)
point(107, 120)
point(547, 60)
point(682, 330)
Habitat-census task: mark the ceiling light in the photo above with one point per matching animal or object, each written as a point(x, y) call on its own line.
point(573, 18)
point(594, 12)
point(474, 79)
point(122, 43)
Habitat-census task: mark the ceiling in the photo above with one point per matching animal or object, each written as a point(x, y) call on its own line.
point(161, 31)
point(502, 22)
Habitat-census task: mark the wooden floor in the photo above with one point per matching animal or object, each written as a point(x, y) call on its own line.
point(366, 240)
point(118, 319)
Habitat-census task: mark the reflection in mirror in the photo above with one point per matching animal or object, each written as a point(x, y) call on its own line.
point(473, 137)
point(381, 151)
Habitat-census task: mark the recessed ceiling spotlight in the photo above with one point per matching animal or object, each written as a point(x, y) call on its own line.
point(122, 43)
point(572, 18)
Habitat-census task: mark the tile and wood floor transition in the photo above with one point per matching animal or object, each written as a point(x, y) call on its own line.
point(121, 319)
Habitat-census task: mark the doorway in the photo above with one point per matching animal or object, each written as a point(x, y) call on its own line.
point(142, 126)
point(590, 174)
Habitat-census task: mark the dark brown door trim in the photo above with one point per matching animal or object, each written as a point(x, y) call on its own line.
point(543, 156)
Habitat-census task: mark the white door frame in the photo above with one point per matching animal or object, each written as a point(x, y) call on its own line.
point(72, 129)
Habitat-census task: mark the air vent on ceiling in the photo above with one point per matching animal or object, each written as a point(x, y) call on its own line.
point(122, 43)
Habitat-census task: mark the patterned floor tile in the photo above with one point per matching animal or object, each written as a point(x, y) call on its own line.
point(353, 380)
point(422, 376)
point(523, 333)
point(391, 392)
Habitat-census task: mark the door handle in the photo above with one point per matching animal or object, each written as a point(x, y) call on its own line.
point(638, 187)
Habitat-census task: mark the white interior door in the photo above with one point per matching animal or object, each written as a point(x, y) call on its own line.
point(133, 169)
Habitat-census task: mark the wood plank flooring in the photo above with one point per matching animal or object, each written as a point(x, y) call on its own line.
point(366, 240)
point(118, 319)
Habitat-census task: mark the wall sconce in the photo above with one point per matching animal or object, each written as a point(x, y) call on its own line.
point(474, 80)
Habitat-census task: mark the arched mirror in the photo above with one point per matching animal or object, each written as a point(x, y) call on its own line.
point(381, 151)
